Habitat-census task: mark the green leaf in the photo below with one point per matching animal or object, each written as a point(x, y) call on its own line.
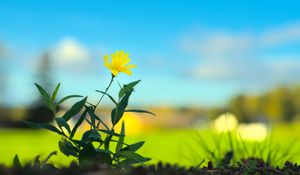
point(55, 92)
point(78, 143)
point(94, 117)
point(75, 109)
point(68, 97)
point(43, 92)
point(121, 138)
point(110, 132)
point(128, 88)
point(78, 123)
point(61, 122)
point(44, 162)
point(43, 126)
point(68, 148)
point(17, 162)
point(49, 105)
point(139, 111)
point(133, 156)
point(127, 162)
point(91, 135)
point(114, 115)
point(46, 97)
point(117, 113)
point(133, 147)
point(111, 98)
point(107, 141)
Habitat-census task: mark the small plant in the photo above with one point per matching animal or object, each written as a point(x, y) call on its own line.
point(228, 149)
point(95, 145)
point(37, 163)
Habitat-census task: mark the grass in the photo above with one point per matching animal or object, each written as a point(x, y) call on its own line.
point(173, 146)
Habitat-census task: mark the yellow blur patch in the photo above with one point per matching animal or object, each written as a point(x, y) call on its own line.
point(225, 123)
point(133, 124)
point(252, 132)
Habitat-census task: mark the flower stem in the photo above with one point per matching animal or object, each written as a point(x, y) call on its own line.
point(111, 80)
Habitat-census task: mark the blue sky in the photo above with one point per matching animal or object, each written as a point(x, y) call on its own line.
point(187, 52)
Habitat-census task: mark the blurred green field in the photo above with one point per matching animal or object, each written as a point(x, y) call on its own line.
point(174, 146)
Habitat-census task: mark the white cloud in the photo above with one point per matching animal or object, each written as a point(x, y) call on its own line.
point(281, 35)
point(222, 55)
point(218, 46)
point(70, 51)
point(214, 71)
point(241, 57)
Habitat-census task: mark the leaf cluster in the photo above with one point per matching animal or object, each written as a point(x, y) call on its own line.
point(95, 144)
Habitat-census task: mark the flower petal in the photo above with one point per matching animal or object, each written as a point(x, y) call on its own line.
point(127, 71)
point(106, 62)
point(130, 66)
point(119, 59)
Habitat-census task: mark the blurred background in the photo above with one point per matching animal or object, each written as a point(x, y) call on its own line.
point(197, 61)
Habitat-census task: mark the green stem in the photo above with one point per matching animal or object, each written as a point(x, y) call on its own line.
point(111, 80)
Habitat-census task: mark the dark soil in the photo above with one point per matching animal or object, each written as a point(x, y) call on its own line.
point(249, 166)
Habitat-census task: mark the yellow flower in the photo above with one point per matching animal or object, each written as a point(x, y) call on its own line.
point(118, 63)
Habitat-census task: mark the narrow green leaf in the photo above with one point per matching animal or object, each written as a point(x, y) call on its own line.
point(61, 122)
point(68, 97)
point(133, 147)
point(92, 116)
point(78, 123)
point(68, 148)
point(111, 98)
point(133, 156)
point(49, 104)
point(140, 111)
point(107, 141)
point(127, 162)
point(43, 126)
point(79, 143)
point(124, 102)
point(46, 97)
point(75, 109)
point(117, 113)
point(114, 115)
point(128, 88)
point(17, 162)
point(121, 138)
point(44, 162)
point(55, 92)
point(43, 92)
